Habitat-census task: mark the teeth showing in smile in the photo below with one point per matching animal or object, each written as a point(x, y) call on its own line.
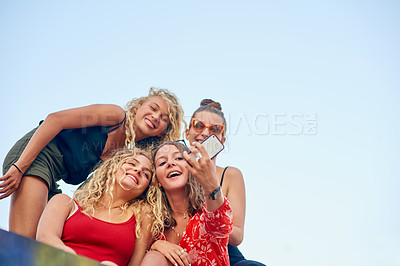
point(133, 178)
point(149, 123)
point(173, 174)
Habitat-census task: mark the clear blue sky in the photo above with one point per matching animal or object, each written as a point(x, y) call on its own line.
point(310, 90)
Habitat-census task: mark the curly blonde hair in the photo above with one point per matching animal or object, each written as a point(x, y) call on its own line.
point(102, 182)
point(175, 110)
point(160, 207)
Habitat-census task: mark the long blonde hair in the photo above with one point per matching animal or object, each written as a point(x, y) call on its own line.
point(175, 110)
point(156, 197)
point(102, 182)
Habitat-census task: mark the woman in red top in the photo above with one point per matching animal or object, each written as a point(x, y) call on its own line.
point(193, 218)
point(68, 144)
point(100, 221)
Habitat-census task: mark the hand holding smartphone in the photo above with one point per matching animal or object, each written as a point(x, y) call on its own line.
point(212, 145)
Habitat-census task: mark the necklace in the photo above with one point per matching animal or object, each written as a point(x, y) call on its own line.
point(184, 213)
point(110, 207)
point(176, 233)
point(185, 216)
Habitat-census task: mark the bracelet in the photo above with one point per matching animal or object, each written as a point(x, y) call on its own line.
point(19, 170)
point(215, 194)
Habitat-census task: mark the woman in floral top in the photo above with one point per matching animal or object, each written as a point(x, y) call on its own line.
point(193, 218)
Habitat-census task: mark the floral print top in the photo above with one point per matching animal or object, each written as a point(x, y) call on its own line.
point(207, 234)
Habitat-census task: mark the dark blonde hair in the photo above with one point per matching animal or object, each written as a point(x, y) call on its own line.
point(175, 110)
point(210, 106)
point(102, 183)
point(158, 200)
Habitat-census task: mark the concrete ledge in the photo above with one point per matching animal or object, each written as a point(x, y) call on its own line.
point(19, 250)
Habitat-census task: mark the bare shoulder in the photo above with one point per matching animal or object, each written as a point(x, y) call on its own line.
point(61, 200)
point(144, 210)
point(111, 107)
point(233, 181)
point(111, 110)
point(60, 205)
point(234, 174)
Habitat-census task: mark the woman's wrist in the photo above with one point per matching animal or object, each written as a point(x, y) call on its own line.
point(23, 166)
point(210, 187)
point(19, 170)
point(215, 194)
point(154, 245)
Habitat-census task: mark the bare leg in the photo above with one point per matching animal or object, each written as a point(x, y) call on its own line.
point(27, 205)
point(154, 258)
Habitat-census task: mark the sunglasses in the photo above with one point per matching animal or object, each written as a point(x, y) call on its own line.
point(199, 126)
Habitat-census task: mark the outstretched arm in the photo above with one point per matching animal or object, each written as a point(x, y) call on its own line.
point(92, 115)
point(52, 222)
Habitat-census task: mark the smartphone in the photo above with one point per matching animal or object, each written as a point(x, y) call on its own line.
point(212, 145)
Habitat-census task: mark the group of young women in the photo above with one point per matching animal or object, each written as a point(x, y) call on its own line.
point(140, 206)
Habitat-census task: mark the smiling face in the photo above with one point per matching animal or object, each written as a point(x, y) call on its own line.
point(208, 118)
point(135, 174)
point(171, 168)
point(152, 118)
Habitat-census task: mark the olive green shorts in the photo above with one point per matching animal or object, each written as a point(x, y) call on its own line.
point(48, 165)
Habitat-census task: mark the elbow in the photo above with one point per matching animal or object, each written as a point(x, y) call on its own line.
point(239, 240)
point(236, 238)
point(53, 119)
point(235, 241)
point(52, 116)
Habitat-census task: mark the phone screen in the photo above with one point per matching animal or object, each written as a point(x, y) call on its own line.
point(213, 145)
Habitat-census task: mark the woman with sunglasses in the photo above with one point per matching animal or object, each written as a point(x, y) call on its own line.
point(206, 120)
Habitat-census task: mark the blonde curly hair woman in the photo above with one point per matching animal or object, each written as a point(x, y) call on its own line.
point(68, 144)
point(105, 217)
